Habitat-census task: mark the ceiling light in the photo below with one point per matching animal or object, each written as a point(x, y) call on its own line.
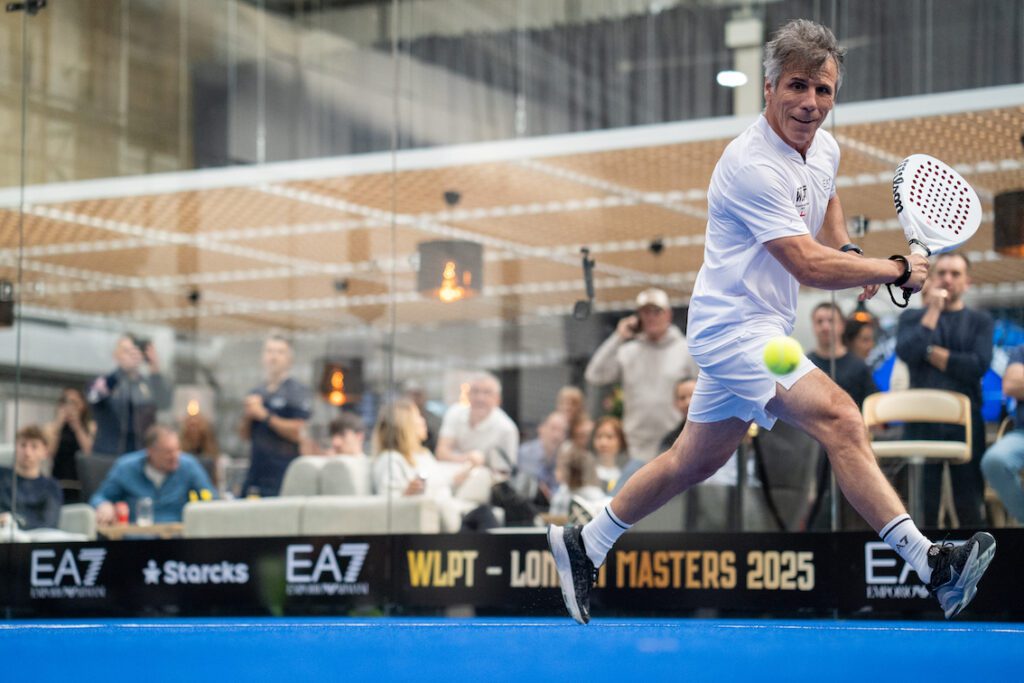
point(731, 79)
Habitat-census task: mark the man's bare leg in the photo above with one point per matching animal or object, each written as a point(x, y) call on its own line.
point(826, 412)
point(819, 407)
point(699, 452)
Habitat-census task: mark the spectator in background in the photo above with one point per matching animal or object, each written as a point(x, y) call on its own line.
point(610, 449)
point(415, 392)
point(949, 346)
point(1004, 460)
point(538, 458)
point(852, 375)
point(348, 434)
point(681, 396)
point(198, 438)
point(36, 503)
point(160, 472)
point(859, 337)
point(480, 433)
point(71, 432)
point(125, 402)
point(577, 478)
point(647, 354)
point(581, 434)
point(274, 418)
point(570, 402)
point(403, 467)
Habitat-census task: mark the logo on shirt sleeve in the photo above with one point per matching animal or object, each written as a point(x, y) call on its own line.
point(801, 200)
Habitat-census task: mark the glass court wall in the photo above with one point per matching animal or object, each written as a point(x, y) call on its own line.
point(398, 194)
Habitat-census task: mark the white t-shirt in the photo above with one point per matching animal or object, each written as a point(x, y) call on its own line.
point(496, 431)
point(761, 190)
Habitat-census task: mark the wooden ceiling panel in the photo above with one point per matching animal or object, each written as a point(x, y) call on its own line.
point(662, 168)
point(345, 246)
point(206, 211)
point(297, 288)
point(671, 261)
point(572, 228)
point(297, 231)
point(966, 138)
point(156, 261)
point(40, 231)
point(478, 185)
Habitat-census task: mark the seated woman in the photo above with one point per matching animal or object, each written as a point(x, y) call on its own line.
point(39, 497)
point(610, 448)
point(576, 473)
point(402, 466)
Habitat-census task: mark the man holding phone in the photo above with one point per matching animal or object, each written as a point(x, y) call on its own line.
point(647, 354)
point(125, 402)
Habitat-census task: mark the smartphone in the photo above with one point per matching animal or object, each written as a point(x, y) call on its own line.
point(638, 326)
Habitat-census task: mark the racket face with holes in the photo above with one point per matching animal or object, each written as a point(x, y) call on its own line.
point(934, 203)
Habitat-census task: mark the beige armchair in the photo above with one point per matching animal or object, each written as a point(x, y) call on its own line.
point(922, 405)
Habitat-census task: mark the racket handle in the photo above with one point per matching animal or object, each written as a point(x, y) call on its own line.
point(906, 297)
point(918, 248)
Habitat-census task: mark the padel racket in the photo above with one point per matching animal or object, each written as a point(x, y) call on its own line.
point(937, 208)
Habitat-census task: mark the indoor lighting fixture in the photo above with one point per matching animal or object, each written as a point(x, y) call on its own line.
point(450, 270)
point(731, 79)
point(341, 381)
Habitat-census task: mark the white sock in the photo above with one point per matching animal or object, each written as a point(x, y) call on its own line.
point(903, 536)
point(600, 534)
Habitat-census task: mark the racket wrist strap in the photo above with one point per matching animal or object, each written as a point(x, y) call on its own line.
point(912, 241)
point(907, 270)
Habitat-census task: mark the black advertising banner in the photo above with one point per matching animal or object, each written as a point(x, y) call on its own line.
point(646, 574)
point(210, 576)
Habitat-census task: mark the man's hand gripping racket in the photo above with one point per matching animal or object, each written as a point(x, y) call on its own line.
point(937, 208)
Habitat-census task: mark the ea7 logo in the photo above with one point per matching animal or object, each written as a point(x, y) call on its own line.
point(72, 576)
point(887, 576)
point(69, 570)
point(301, 568)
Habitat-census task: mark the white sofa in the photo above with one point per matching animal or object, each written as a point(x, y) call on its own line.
point(320, 495)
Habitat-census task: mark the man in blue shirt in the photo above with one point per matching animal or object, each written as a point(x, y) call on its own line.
point(274, 417)
point(1004, 460)
point(160, 472)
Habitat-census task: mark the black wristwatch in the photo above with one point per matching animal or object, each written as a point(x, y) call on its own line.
point(850, 246)
point(907, 270)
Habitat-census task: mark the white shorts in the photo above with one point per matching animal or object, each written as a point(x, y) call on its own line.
point(735, 382)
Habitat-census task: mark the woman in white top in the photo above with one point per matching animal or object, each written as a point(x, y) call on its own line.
point(402, 466)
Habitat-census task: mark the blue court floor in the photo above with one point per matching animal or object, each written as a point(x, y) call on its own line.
point(524, 650)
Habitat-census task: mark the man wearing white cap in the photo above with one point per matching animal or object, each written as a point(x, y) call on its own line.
point(647, 354)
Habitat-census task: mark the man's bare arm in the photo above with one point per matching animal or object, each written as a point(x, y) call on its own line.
point(815, 265)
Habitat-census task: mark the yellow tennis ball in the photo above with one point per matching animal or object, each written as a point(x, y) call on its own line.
point(782, 355)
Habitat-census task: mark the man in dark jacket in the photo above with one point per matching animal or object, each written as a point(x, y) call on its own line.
point(949, 346)
point(125, 402)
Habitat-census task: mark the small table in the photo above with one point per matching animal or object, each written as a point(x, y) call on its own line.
point(118, 532)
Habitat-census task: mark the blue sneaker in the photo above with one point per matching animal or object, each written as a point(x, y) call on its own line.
point(956, 571)
point(576, 573)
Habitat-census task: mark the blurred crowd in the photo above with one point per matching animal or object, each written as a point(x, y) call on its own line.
point(107, 447)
